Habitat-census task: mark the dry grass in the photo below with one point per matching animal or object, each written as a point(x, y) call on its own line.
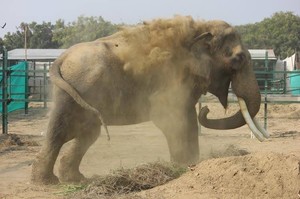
point(125, 181)
point(8, 140)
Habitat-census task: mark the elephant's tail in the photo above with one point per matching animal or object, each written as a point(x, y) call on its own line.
point(58, 80)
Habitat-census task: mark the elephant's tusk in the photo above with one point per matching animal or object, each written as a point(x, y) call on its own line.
point(260, 128)
point(249, 120)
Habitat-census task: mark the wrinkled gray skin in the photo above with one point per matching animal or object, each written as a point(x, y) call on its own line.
point(97, 74)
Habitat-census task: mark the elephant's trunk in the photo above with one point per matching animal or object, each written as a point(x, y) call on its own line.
point(245, 86)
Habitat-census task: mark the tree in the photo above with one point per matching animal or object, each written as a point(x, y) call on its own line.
point(38, 36)
point(281, 32)
point(41, 35)
point(83, 30)
point(14, 40)
point(60, 35)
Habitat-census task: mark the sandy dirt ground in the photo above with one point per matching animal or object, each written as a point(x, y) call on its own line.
point(271, 170)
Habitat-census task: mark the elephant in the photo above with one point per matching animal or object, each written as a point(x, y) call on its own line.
point(155, 71)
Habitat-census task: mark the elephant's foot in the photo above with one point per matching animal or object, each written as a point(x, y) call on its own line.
point(44, 179)
point(69, 170)
point(185, 159)
point(70, 175)
point(185, 154)
point(41, 175)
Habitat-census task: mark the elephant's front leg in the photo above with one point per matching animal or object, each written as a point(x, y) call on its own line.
point(180, 127)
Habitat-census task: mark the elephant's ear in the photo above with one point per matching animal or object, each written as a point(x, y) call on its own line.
point(202, 43)
point(204, 38)
point(202, 67)
point(207, 36)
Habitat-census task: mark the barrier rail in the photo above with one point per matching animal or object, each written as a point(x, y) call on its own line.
point(274, 90)
point(35, 88)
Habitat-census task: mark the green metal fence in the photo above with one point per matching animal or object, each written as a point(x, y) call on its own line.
point(20, 86)
point(277, 91)
point(16, 86)
point(275, 86)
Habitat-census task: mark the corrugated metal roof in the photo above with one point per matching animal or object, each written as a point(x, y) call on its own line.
point(34, 54)
point(52, 54)
point(261, 54)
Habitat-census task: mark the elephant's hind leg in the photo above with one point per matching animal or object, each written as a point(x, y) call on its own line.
point(86, 135)
point(58, 133)
point(42, 167)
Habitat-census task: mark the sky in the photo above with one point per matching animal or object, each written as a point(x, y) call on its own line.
point(235, 12)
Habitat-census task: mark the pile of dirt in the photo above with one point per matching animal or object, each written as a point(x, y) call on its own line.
point(260, 175)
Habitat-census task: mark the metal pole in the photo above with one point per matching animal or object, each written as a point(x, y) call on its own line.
point(25, 42)
point(266, 90)
point(34, 78)
point(26, 88)
point(40, 90)
point(26, 69)
point(45, 86)
point(284, 78)
point(4, 93)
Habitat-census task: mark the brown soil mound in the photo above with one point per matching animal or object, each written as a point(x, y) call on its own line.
point(266, 175)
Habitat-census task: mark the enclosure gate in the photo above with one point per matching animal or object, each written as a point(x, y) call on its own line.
point(15, 88)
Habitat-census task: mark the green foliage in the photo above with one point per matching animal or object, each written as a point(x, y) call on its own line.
point(68, 189)
point(13, 40)
point(41, 35)
point(38, 36)
point(281, 32)
point(60, 35)
point(83, 30)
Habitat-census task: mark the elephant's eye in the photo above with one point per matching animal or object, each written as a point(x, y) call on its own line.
point(227, 52)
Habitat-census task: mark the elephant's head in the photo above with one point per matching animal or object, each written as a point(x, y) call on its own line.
point(231, 64)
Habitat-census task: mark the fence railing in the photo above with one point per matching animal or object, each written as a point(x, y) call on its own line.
point(289, 83)
point(31, 86)
point(282, 87)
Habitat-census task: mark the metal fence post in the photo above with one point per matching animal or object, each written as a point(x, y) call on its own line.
point(26, 88)
point(4, 93)
point(45, 86)
point(284, 78)
point(266, 90)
